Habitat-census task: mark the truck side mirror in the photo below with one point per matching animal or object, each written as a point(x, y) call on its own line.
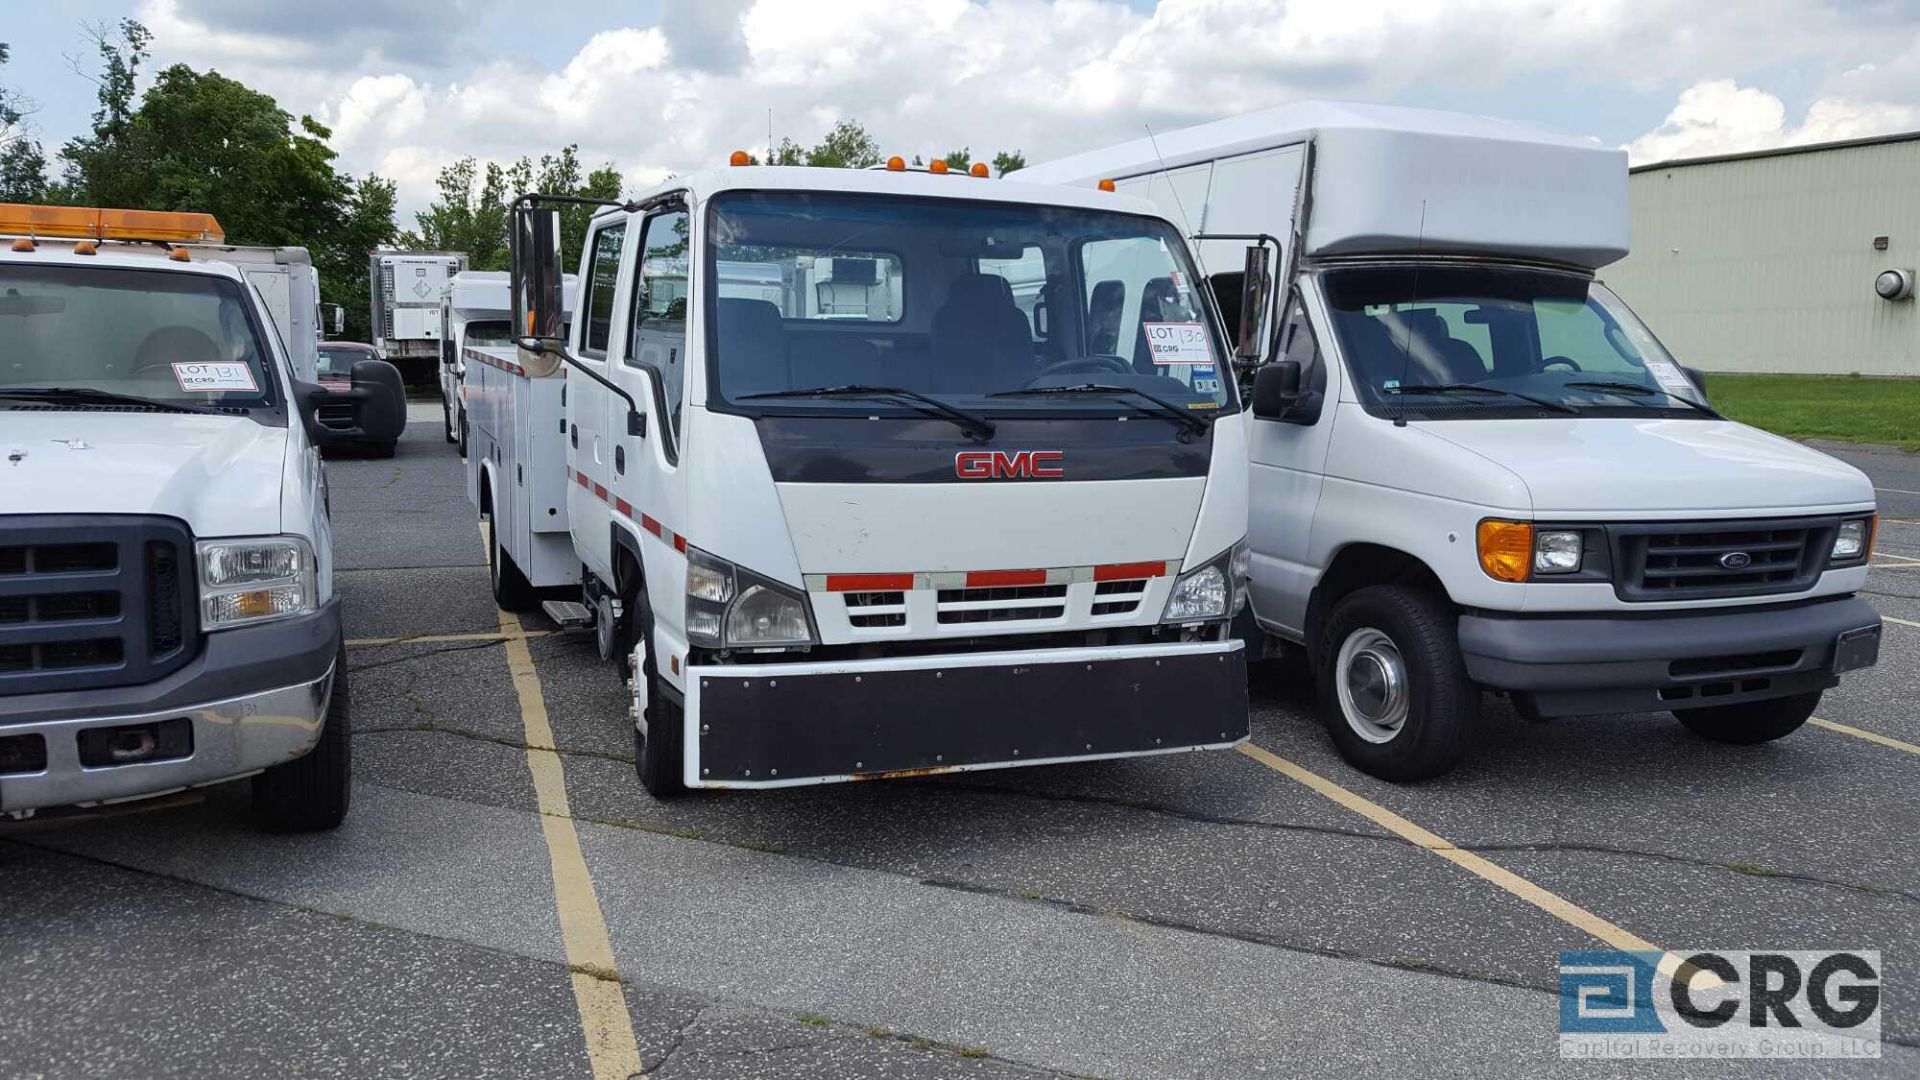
point(336, 319)
point(1255, 287)
point(1276, 389)
point(538, 311)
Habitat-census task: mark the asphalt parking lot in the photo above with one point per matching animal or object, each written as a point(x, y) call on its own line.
point(495, 910)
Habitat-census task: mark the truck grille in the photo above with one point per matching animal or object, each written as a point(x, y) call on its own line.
point(89, 602)
point(1706, 560)
point(1011, 603)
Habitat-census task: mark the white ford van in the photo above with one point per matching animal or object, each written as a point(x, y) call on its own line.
point(167, 612)
point(1472, 467)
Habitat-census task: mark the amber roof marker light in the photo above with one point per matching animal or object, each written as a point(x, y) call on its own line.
point(740, 157)
point(979, 169)
point(1106, 185)
point(896, 163)
point(936, 166)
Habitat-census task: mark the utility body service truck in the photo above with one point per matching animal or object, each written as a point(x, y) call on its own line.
point(476, 313)
point(167, 612)
point(1473, 467)
point(405, 290)
point(842, 509)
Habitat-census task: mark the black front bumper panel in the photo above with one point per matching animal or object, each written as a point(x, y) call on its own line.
point(777, 724)
point(1578, 664)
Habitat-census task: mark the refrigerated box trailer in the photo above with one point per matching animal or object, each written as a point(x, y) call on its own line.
point(406, 289)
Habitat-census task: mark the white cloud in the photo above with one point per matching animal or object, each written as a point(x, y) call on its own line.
point(1722, 117)
point(1047, 77)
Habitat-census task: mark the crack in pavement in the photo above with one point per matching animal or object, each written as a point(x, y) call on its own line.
point(479, 736)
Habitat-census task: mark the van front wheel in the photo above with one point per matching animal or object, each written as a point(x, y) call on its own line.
point(1754, 722)
point(1394, 691)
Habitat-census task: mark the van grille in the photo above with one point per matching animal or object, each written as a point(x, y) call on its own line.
point(1707, 560)
point(92, 601)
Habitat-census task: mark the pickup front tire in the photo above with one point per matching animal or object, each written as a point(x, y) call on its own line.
point(1394, 691)
point(1753, 722)
point(312, 792)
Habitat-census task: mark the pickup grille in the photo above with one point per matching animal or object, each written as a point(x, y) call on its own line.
point(1708, 560)
point(93, 601)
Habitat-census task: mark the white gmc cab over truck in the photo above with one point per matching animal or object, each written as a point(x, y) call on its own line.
point(1473, 467)
point(842, 506)
point(167, 613)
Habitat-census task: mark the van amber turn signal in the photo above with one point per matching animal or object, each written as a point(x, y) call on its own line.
point(1506, 549)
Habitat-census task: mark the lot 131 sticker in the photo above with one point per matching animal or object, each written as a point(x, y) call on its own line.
point(1177, 342)
point(213, 377)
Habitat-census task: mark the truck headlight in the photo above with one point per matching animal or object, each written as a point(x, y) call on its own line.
point(255, 580)
point(730, 607)
point(1854, 541)
point(1213, 591)
point(1557, 551)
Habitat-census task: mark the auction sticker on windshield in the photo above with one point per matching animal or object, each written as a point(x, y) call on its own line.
point(1177, 342)
point(215, 377)
point(1671, 378)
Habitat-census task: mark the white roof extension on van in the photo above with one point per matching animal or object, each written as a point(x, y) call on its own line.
point(1394, 180)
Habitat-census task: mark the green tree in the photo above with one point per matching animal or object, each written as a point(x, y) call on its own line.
point(1007, 161)
point(958, 160)
point(847, 146)
point(23, 165)
point(471, 212)
point(103, 168)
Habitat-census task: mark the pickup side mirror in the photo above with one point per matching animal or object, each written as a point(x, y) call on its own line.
point(374, 410)
point(1255, 287)
point(1276, 389)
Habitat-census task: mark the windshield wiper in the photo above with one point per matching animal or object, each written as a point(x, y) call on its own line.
point(81, 395)
point(1189, 423)
point(978, 427)
point(1637, 390)
point(1477, 388)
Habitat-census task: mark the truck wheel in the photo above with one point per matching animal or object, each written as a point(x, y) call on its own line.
point(312, 793)
point(1753, 722)
point(462, 441)
point(511, 589)
point(1394, 691)
point(657, 753)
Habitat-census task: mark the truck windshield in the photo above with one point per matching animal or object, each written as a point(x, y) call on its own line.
point(167, 336)
point(1453, 342)
point(969, 302)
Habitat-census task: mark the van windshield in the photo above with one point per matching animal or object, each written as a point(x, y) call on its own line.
point(164, 335)
point(976, 303)
point(1451, 342)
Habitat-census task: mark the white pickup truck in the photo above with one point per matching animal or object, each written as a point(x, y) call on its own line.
point(167, 611)
point(1473, 467)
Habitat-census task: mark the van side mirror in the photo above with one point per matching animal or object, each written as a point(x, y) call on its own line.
point(1276, 389)
point(1256, 286)
point(335, 318)
point(538, 305)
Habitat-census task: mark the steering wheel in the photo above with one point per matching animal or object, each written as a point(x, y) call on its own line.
point(1092, 362)
point(1553, 360)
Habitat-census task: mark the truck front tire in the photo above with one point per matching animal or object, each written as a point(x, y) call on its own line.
point(312, 792)
point(1394, 691)
point(1753, 722)
point(657, 753)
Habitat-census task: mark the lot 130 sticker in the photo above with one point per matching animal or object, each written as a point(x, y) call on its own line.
point(1177, 342)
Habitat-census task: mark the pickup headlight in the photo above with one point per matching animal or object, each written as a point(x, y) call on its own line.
point(730, 607)
point(1854, 541)
point(255, 580)
point(1216, 590)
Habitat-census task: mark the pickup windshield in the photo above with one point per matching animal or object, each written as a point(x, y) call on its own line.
point(1458, 342)
point(962, 301)
point(169, 337)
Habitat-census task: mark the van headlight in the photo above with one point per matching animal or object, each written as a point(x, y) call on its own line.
point(730, 607)
point(1213, 591)
point(1854, 541)
point(255, 580)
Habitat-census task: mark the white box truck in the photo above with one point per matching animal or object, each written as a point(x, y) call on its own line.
point(406, 288)
point(476, 315)
point(1473, 467)
point(167, 609)
point(873, 521)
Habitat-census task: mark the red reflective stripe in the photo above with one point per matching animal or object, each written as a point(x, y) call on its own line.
point(869, 582)
point(600, 492)
point(1128, 571)
point(679, 542)
point(581, 479)
point(650, 524)
point(623, 506)
point(977, 579)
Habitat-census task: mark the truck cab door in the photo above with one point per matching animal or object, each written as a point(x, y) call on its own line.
point(589, 453)
point(1287, 473)
point(652, 364)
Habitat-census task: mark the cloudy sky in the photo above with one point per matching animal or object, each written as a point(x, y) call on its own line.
point(662, 86)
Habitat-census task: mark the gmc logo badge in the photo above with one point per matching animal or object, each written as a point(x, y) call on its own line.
point(1021, 464)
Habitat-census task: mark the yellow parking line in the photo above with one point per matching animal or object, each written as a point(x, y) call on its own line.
point(1862, 733)
point(1553, 904)
point(432, 639)
point(611, 1046)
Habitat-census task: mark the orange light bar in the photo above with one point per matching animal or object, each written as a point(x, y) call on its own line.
point(937, 166)
point(1106, 185)
point(896, 163)
point(979, 169)
point(740, 157)
point(95, 223)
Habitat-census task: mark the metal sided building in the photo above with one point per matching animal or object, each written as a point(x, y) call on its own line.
point(1776, 260)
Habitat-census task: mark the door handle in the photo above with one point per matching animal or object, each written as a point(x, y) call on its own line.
point(620, 460)
point(573, 434)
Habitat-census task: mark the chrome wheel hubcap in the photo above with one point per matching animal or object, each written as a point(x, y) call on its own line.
point(1370, 677)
